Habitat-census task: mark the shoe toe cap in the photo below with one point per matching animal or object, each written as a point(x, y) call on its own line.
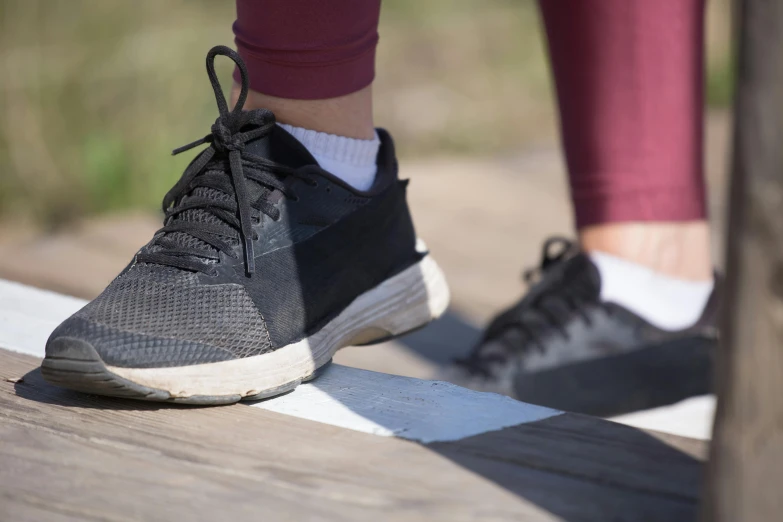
point(82, 339)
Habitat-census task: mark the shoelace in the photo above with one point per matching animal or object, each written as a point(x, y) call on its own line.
point(224, 166)
point(552, 302)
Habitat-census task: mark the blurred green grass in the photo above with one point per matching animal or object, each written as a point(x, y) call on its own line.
point(96, 93)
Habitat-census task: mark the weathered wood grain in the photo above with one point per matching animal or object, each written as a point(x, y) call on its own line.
point(746, 464)
point(65, 455)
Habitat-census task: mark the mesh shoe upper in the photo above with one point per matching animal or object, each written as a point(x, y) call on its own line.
point(148, 304)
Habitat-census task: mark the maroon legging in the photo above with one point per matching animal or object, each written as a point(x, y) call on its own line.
point(629, 77)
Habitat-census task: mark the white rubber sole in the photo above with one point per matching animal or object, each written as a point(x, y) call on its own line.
point(404, 302)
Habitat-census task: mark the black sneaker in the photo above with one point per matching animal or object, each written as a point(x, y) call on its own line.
point(265, 267)
point(561, 346)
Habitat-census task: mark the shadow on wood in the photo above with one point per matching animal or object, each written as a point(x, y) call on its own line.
point(581, 468)
point(71, 453)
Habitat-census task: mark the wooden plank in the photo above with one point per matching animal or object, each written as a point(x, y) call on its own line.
point(746, 464)
point(349, 397)
point(69, 455)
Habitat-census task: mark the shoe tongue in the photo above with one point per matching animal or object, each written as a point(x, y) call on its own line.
point(575, 269)
point(277, 146)
point(580, 268)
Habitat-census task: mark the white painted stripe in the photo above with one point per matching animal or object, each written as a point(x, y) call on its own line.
point(360, 400)
point(391, 405)
point(689, 418)
point(28, 315)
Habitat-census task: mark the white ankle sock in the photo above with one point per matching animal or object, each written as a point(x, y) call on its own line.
point(666, 302)
point(350, 159)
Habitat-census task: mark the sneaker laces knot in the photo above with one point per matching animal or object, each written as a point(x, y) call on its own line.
point(224, 139)
point(552, 297)
point(229, 136)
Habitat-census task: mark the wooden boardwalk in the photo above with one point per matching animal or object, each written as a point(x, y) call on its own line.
point(352, 445)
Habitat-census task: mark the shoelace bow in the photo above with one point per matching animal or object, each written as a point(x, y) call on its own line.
point(550, 308)
point(226, 153)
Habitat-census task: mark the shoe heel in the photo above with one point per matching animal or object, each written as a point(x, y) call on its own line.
point(403, 303)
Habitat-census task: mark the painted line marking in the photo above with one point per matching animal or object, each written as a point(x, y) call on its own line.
point(692, 418)
point(360, 400)
point(392, 405)
point(29, 315)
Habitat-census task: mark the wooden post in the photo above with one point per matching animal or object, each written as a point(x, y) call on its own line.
point(745, 473)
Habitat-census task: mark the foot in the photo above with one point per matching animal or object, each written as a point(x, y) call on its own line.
point(562, 346)
point(265, 267)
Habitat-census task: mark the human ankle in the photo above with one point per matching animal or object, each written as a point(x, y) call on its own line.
point(679, 249)
point(349, 115)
